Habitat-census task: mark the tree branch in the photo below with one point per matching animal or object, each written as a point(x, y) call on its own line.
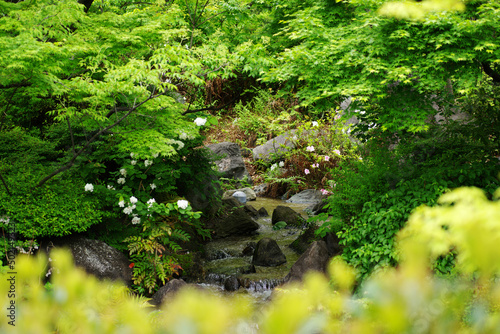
point(5, 184)
point(489, 71)
point(91, 140)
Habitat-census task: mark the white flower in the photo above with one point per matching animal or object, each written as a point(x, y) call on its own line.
point(314, 123)
point(148, 163)
point(89, 187)
point(136, 220)
point(128, 210)
point(180, 145)
point(110, 187)
point(133, 162)
point(121, 180)
point(200, 121)
point(182, 204)
point(121, 204)
point(273, 167)
point(152, 186)
point(282, 164)
point(133, 200)
point(150, 202)
point(123, 172)
point(183, 136)
point(131, 155)
point(156, 155)
point(310, 148)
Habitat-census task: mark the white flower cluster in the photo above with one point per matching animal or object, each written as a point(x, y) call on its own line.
point(150, 202)
point(136, 220)
point(148, 163)
point(133, 162)
point(89, 187)
point(110, 187)
point(152, 186)
point(5, 220)
point(200, 121)
point(182, 204)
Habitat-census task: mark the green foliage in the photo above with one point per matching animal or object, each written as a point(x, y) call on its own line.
point(374, 197)
point(465, 221)
point(279, 225)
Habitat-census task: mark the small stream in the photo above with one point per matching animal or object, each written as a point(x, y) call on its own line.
point(226, 258)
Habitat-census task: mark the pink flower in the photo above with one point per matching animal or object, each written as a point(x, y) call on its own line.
point(315, 165)
point(325, 192)
point(306, 171)
point(327, 158)
point(310, 148)
point(337, 152)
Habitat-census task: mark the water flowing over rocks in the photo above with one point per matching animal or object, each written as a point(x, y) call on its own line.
point(268, 254)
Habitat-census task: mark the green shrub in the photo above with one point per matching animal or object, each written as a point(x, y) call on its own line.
point(406, 299)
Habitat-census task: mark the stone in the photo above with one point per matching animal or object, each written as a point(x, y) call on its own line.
point(268, 254)
point(249, 249)
point(231, 284)
point(239, 222)
point(276, 147)
point(227, 157)
point(314, 258)
point(333, 244)
point(305, 239)
point(288, 215)
point(240, 196)
point(308, 196)
point(99, 259)
point(263, 212)
point(261, 189)
point(167, 291)
point(251, 196)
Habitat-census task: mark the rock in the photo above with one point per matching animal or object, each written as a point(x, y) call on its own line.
point(239, 222)
point(308, 196)
point(240, 196)
point(99, 259)
point(333, 244)
point(314, 258)
point(231, 283)
point(288, 215)
point(305, 239)
point(251, 196)
point(167, 291)
point(261, 189)
point(317, 208)
point(249, 249)
point(276, 147)
point(227, 157)
point(268, 254)
point(232, 203)
point(263, 212)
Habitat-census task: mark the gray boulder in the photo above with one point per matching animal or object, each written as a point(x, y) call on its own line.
point(248, 191)
point(314, 258)
point(261, 189)
point(99, 259)
point(239, 222)
point(231, 283)
point(288, 215)
point(268, 254)
point(227, 157)
point(167, 291)
point(308, 196)
point(276, 147)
